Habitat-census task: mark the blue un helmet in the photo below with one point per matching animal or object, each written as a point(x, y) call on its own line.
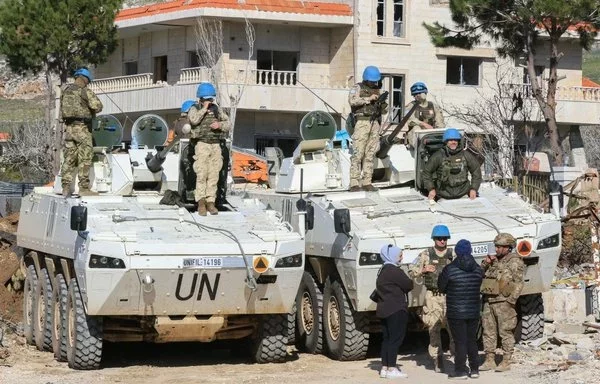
point(371, 73)
point(417, 88)
point(185, 107)
point(84, 72)
point(206, 91)
point(451, 134)
point(440, 230)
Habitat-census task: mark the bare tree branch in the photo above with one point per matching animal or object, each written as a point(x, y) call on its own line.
point(28, 151)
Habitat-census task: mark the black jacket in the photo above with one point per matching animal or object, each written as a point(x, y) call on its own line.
point(461, 281)
point(392, 285)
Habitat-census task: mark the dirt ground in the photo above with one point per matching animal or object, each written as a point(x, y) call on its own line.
point(224, 363)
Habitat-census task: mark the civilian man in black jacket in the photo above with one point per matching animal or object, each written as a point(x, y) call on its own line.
point(461, 281)
point(392, 308)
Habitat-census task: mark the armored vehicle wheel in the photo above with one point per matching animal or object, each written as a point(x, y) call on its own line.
point(42, 321)
point(270, 345)
point(29, 303)
point(84, 333)
point(309, 312)
point(344, 328)
point(59, 318)
point(291, 326)
point(531, 321)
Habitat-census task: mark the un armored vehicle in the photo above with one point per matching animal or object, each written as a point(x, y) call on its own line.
point(124, 266)
point(345, 231)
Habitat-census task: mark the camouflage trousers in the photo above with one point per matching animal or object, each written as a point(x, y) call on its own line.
point(434, 318)
point(208, 162)
point(498, 319)
point(77, 153)
point(365, 143)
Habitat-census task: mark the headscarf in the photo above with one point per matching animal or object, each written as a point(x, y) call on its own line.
point(389, 254)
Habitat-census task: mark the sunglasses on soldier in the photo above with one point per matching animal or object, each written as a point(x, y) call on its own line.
point(440, 238)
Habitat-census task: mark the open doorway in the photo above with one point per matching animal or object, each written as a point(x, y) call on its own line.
point(160, 68)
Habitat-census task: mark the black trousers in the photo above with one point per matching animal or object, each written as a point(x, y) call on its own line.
point(394, 329)
point(464, 332)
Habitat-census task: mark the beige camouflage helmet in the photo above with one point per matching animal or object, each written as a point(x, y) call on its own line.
point(505, 240)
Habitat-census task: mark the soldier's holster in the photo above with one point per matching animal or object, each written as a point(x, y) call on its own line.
point(490, 286)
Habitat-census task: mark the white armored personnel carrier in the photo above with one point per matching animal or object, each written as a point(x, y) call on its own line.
point(125, 266)
point(345, 231)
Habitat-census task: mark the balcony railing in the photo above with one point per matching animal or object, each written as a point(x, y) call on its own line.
point(125, 83)
point(194, 75)
point(574, 93)
point(269, 77)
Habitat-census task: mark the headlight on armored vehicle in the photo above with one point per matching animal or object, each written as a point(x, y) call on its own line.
point(289, 261)
point(367, 258)
point(549, 242)
point(98, 261)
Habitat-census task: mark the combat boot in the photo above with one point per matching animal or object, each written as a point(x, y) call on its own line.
point(489, 363)
point(505, 364)
point(355, 188)
point(87, 192)
point(202, 207)
point(438, 364)
point(66, 191)
point(211, 208)
point(370, 188)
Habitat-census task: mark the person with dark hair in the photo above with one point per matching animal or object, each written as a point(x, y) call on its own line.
point(392, 308)
point(461, 282)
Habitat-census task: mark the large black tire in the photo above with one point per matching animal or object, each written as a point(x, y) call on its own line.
point(42, 321)
point(60, 293)
point(344, 328)
point(291, 326)
point(84, 333)
point(29, 303)
point(531, 317)
point(309, 312)
point(270, 344)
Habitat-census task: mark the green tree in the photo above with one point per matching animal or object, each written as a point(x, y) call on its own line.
point(55, 37)
point(518, 26)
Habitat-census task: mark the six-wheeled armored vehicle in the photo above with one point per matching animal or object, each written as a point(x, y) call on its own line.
point(345, 231)
point(135, 262)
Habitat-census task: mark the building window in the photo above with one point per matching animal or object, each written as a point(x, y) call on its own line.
point(193, 59)
point(462, 70)
point(390, 18)
point(276, 67)
point(130, 68)
point(394, 84)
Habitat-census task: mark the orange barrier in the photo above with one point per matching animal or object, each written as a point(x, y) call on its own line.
point(248, 166)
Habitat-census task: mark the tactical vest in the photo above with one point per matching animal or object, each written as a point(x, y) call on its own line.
point(74, 103)
point(495, 274)
point(454, 170)
point(430, 278)
point(367, 109)
point(203, 132)
point(426, 114)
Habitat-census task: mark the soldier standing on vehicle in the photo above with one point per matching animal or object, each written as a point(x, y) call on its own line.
point(209, 124)
point(501, 287)
point(428, 265)
point(181, 126)
point(427, 115)
point(79, 105)
point(446, 173)
point(367, 111)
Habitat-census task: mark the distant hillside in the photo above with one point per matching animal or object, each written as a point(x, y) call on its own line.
point(591, 64)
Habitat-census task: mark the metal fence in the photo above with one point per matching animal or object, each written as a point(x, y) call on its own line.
point(533, 186)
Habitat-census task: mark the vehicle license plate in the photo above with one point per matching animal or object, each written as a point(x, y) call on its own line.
point(203, 262)
point(480, 249)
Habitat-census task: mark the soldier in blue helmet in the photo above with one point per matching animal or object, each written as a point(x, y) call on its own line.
point(426, 268)
point(365, 139)
point(446, 174)
point(428, 115)
point(209, 125)
point(182, 126)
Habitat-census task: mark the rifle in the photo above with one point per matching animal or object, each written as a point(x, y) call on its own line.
point(386, 142)
point(377, 115)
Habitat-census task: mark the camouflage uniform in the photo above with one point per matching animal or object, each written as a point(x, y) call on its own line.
point(427, 112)
point(79, 105)
point(207, 149)
point(365, 139)
point(499, 315)
point(448, 171)
point(434, 308)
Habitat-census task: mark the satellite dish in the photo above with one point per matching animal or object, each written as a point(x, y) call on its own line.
point(107, 131)
point(317, 125)
point(149, 130)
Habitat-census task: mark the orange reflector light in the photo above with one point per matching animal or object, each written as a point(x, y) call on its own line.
point(524, 248)
point(260, 264)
